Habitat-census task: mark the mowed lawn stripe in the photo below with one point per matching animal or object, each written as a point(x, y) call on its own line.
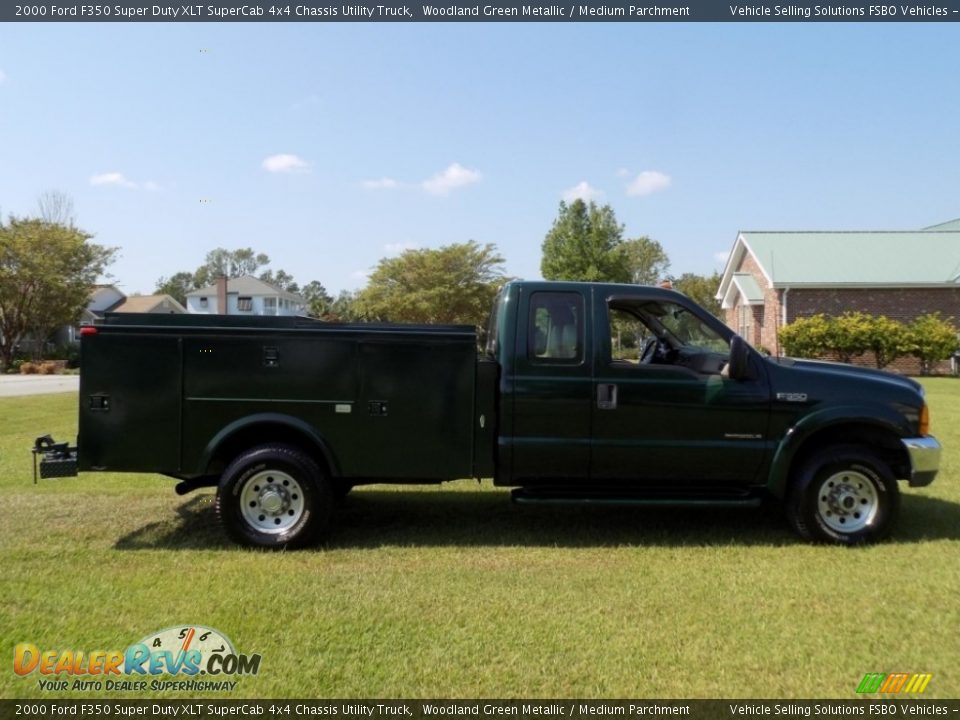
point(454, 592)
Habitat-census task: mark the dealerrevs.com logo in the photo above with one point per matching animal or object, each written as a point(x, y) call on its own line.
point(185, 651)
point(893, 683)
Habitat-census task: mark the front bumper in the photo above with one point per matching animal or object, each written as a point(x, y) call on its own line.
point(924, 455)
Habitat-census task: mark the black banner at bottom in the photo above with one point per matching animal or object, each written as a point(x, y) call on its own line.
point(446, 709)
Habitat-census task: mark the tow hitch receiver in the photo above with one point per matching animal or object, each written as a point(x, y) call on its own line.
point(56, 459)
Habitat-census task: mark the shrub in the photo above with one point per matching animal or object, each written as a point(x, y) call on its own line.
point(29, 368)
point(888, 340)
point(849, 335)
point(48, 368)
point(931, 339)
point(806, 337)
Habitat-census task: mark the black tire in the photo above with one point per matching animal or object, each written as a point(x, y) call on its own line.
point(274, 496)
point(844, 494)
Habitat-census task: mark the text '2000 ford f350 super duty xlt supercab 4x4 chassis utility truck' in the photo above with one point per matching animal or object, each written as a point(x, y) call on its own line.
point(583, 392)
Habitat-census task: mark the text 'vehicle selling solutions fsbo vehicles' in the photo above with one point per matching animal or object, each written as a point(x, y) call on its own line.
point(582, 392)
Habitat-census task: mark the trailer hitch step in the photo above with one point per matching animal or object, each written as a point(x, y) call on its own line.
point(57, 460)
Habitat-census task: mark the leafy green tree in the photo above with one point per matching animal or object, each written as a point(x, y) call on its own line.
point(46, 273)
point(343, 308)
point(176, 286)
point(931, 339)
point(646, 260)
point(585, 243)
point(221, 262)
point(702, 289)
point(888, 340)
point(319, 302)
point(453, 284)
point(281, 279)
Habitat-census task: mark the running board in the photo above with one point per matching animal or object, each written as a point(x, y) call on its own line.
point(543, 498)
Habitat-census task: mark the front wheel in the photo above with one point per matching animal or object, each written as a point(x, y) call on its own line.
point(274, 496)
point(845, 495)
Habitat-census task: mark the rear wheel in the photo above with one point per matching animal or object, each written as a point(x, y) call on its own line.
point(844, 494)
point(274, 496)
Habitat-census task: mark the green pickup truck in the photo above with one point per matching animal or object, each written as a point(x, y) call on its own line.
point(582, 392)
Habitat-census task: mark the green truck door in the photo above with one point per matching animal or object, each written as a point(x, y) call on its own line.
point(661, 422)
point(552, 387)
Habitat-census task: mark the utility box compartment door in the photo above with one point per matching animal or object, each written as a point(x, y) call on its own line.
point(416, 401)
point(130, 403)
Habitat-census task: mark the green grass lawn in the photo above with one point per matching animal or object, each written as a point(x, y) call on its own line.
point(454, 592)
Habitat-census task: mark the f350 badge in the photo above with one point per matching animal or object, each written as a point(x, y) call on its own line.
point(792, 397)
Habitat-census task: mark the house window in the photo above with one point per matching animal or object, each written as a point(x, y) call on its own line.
point(203, 302)
point(745, 322)
point(244, 304)
point(270, 306)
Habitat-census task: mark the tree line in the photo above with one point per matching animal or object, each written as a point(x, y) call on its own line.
point(48, 267)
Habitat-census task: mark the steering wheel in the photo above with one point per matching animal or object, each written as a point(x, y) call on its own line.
point(649, 350)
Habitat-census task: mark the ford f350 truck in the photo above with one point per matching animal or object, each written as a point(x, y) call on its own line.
point(582, 392)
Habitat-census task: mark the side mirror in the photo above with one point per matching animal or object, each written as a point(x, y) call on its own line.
point(739, 362)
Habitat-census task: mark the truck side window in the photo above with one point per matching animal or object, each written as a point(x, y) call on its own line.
point(628, 336)
point(555, 329)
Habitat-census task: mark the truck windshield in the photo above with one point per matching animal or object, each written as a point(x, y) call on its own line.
point(687, 329)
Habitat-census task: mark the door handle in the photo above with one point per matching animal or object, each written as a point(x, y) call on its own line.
point(606, 396)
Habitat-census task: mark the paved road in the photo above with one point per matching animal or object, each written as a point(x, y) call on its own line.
point(11, 385)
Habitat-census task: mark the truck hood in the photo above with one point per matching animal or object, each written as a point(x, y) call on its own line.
point(841, 371)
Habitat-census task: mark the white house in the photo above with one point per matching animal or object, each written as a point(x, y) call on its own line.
point(244, 296)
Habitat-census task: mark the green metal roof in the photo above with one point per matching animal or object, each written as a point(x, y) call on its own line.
point(949, 225)
point(857, 258)
point(747, 285)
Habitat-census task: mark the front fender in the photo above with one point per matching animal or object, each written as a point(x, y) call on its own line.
point(875, 415)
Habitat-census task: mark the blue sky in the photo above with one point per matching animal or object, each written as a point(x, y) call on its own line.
point(329, 146)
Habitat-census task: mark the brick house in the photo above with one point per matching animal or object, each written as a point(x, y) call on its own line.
point(773, 278)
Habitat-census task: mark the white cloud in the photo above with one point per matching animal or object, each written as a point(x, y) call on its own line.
point(455, 176)
point(112, 178)
point(647, 182)
point(581, 191)
point(399, 248)
point(151, 185)
point(720, 257)
point(383, 183)
point(362, 275)
point(3, 76)
point(285, 163)
point(623, 172)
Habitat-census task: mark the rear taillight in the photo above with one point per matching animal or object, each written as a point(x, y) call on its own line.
point(88, 330)
point(924, 420)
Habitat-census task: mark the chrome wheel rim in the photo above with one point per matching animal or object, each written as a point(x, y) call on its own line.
point(271, 501)
point(848, 501)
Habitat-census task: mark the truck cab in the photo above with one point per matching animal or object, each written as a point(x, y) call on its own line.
point(626, 393)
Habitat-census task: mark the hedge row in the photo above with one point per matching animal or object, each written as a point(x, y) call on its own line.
point(929, 338)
